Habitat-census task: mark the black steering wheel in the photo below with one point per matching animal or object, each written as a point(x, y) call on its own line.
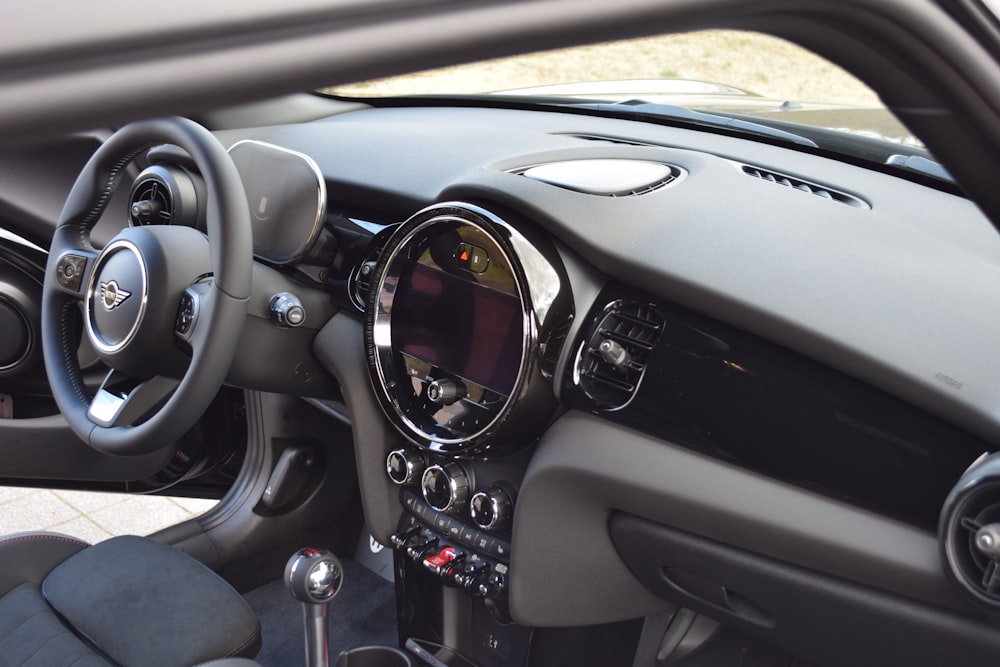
point(162, 305)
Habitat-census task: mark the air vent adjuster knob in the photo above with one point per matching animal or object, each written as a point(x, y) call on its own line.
point(613, 353)
point(146, 211)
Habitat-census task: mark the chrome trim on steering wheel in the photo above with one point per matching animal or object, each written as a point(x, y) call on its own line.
point(112, 295)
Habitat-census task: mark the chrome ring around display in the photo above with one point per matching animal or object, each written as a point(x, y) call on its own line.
point(385, 290)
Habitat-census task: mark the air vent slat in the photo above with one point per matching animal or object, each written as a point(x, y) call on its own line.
point(625, 338)
point(612, 363)
point(610, 382)
point(801, 185)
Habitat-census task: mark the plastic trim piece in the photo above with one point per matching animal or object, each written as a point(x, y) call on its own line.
point(804, 612)
point(586, 467)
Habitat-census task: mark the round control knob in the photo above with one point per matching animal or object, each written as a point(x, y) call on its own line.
point(404, 466)
point(445, 391)
point(491, 509)
point(445, 487)
point(286, 310)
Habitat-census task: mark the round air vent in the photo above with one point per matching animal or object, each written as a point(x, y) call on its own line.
point(15, 343)
point(165, 194)
point(969, 533)
point(20, 322)
point(150, 203)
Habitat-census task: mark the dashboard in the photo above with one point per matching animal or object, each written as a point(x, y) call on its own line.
point(526, 275)
point(569, 345)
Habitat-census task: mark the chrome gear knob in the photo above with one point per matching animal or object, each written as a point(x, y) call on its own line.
point(313, 576)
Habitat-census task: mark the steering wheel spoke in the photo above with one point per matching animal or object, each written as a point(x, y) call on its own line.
point(125, 401)
point(72, 272)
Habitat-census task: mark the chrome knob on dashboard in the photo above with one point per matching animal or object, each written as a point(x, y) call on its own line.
point(286, 310)
point(491, 509)
point(445, 487)
point(404, 466)
point(445, 391)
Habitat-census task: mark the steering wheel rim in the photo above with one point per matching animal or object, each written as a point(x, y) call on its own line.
point(162, 264)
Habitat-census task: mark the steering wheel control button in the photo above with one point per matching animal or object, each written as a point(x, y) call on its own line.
point(445, 391)
point(185, 314)
point(491, 509)
point(404, 466)
point(445, 487)
point(69, 271)
point(287, 310)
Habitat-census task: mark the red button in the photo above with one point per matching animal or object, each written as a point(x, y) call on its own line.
point(442, 558)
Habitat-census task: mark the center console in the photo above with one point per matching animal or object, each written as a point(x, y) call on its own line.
point(465, 316)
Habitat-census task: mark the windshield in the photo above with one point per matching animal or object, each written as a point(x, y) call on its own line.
point(728, 74)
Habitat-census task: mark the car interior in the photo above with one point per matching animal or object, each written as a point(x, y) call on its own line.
point(499, 379)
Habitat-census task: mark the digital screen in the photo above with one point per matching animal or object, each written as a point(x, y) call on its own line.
point(459, 326)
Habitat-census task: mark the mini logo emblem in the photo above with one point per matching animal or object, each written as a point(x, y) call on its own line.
point(374, 545)
point(112, 295)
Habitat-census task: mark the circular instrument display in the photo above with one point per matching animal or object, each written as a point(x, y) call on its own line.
point(452, 329)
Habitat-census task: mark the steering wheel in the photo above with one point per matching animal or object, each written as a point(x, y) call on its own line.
point(163, 306)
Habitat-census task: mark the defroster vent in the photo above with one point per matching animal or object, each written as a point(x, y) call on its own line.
point(612, 361)
point(804, 186)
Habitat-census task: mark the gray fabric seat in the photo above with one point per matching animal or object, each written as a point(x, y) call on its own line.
point(127, 601)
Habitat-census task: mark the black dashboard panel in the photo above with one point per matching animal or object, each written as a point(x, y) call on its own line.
point(733, 396)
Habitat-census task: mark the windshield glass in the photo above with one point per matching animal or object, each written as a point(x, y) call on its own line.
point(751, 76)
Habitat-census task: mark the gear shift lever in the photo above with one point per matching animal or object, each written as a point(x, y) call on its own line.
point(314, 576)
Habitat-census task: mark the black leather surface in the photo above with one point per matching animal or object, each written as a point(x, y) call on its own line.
point(144, 603)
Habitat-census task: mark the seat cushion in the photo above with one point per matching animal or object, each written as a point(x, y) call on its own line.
point(29, 557)
point(31, 635)
point(144, 603)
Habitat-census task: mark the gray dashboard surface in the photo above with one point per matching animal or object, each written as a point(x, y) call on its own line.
point(585, 468)
point(900, 296)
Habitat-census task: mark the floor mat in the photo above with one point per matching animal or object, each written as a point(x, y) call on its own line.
point(363, 613)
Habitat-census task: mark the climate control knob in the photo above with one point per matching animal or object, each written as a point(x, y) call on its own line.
point(404, 466)
point(445, 487)
point(491, 509)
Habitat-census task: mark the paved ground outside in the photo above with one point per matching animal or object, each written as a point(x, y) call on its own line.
point(92, 516)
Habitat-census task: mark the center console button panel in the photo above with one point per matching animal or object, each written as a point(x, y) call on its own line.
point(459, 554)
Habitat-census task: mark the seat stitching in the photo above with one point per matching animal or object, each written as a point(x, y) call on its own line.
point(57, 538)
point(83, 656)
point(246, 642)
point(47, 642)
point(20, 625)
